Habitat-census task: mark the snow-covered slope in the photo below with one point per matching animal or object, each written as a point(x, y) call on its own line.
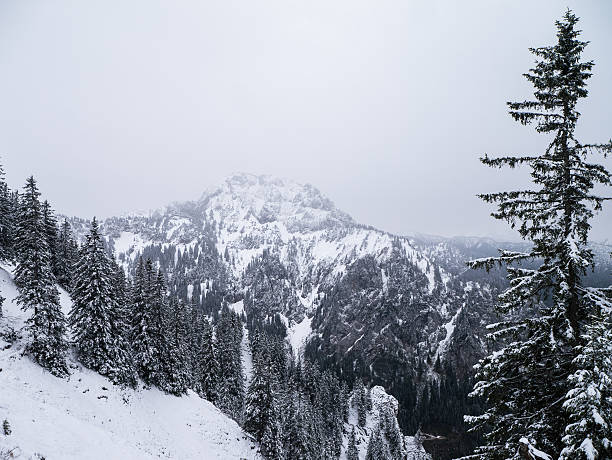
point(86, 417)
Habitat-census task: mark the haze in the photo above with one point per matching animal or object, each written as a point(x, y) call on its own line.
point(383, 105)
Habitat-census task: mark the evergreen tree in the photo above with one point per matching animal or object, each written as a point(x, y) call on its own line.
point(229, 337)
point(525, 383)
point(175, 351)
point(6, 428)
point(360, 401)
point(50, 227)
point(377, 448)
point(164, 329)
point(67, 255)
point(351, 452)
point(392, 433)
point(589, 401)
point(298, 439)
point(272, 440)
point(96, 317)
point(208, 366)
point(258, 402)
point(143, 336)
point(6, 219)
point(36, 283)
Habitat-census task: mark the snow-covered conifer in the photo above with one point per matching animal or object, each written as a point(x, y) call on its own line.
point(50, 227)
point(208, 366)
point(525, 383)
point(143, 339)
point(258, 401)
point(36, 283)
point(6, 219)
point(588, 436)
point(228, 339)
point(175, 348)
point(67, 255)
point(96, 317)
point(272, 440)
point(360, 401)
point(351, 452)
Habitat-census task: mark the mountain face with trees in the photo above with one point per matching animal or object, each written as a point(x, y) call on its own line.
point(140, 332)
point(402, 312)
point(358, 301)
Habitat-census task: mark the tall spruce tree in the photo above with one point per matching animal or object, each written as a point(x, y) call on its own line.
point(208, 365)
point(36, 283)
point(143, 337)
point(228, 339)
point(6, 219)
point(96, 317)
point(360, 401)
point(67, 255)
point(377, 448)
point(50, 225)
point(259, 401)
point(526, 382)
point(175, 348)
point(352, 453)
point(589, 401)
point(272, 439)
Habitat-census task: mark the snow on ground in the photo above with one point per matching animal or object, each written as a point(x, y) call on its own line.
point(298, 333)
point(85, 416)
point(247, 357)
point(129, 243)
point(361, 337)
point(450, 329)
point(237, 307)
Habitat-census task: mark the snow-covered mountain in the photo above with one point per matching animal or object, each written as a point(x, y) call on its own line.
point(402, 312)
point(248, 216)
point(87, 417)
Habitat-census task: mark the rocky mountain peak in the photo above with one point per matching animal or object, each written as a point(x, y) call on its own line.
point(267, 199)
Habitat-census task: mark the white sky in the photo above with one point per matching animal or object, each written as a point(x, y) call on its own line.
point(384, 105)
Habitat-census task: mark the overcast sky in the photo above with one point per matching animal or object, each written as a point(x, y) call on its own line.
point(383, 105)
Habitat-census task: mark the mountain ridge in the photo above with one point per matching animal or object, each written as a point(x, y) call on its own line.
point(403, 312)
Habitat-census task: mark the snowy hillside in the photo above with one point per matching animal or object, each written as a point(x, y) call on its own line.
point(85, 416)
